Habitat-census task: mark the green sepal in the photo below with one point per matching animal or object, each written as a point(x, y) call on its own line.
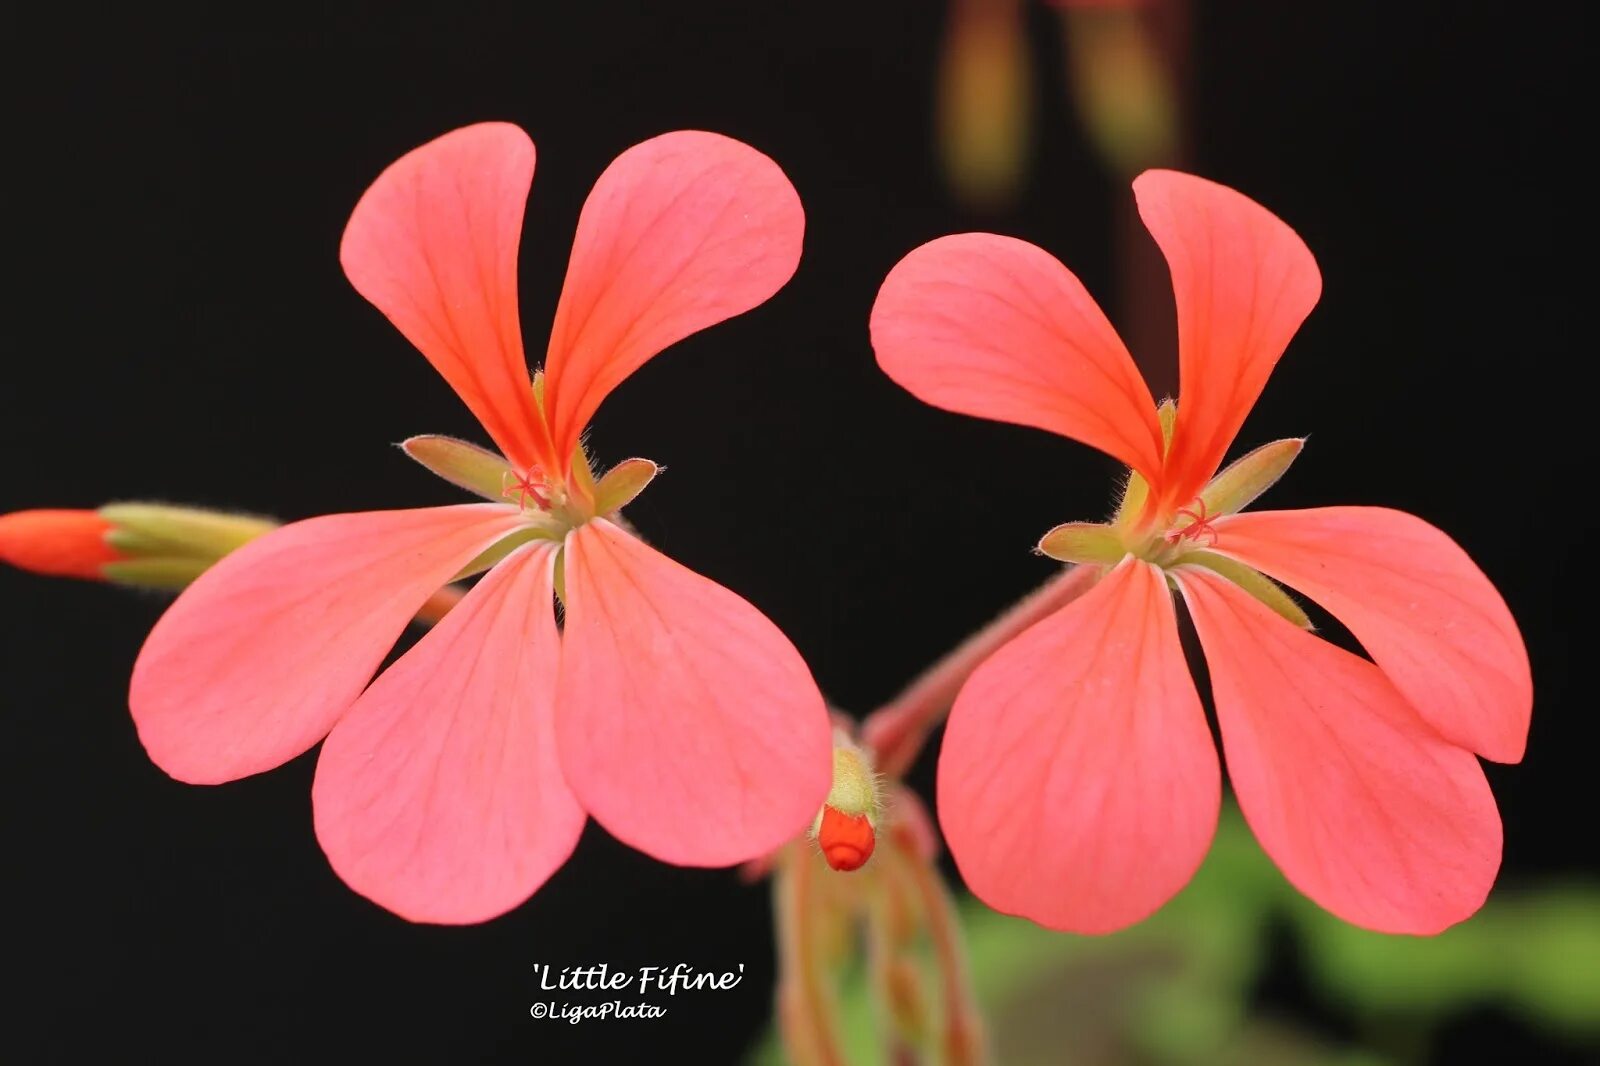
point(156, 573)
point(154, 529)
point(1137, 488)
point(464, 465)
point(583, 485)
point(1084, 542)
point(622, 483)
point(1249, 476)
point(1252, 581)
point(538, 528)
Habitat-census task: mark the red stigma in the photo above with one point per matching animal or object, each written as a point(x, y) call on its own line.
point(846, 840)
point(1199, 525)
point(526, 486)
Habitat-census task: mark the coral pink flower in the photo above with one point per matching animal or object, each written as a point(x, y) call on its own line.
point(1078, 783)
point(667, 707)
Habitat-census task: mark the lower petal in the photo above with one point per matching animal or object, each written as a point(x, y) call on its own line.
point(439, 796)
point(1423, 610)
point(1362, 806)
point(1078, 783)
point(690, 727)
point(258, 658)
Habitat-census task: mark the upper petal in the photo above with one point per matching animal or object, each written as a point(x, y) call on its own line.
point(1417, 603)
point(433, 244)
point(439, 795)
point(1244, 282)
point(1362, 806)
point(995, 327)
point(254, 662)
point(1078, 784)
point(680, 232)
point(689, 726)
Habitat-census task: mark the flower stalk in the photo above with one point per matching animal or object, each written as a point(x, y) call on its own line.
point(895, 732)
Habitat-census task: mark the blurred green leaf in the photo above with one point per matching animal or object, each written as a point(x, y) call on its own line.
point(1537, 952)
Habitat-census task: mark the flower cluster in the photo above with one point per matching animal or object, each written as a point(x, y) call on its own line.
point(1078, 782)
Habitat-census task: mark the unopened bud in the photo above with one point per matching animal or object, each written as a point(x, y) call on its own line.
point(150, 545)
point(1123, 84)
point(145, 544)
point(167, 547)
point(846, 840)
point(59, 543)
point(159, 530)
point(986, 100)
point(846, 827)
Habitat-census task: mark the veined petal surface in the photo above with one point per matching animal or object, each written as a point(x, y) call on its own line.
point(680, 232)
point(258, 658)
point(433, 245)
point(1361, 804)
point(1244, 282)
point(689, 726)
point(997, 328)
point(439, 796)
point(1078, 782)
point(1419, 605)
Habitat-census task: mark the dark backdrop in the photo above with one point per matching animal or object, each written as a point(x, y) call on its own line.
point(177, 191)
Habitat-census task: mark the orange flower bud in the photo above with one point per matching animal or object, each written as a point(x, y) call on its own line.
point(845, 827)
point(846, 840)
point(60, 543)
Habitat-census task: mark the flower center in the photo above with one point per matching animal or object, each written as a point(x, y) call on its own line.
point(525, 486)
point(1197, 526)
point(1188, 530)
point(549, 500)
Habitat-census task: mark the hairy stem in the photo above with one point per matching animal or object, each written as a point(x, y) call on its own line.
point(896, 731)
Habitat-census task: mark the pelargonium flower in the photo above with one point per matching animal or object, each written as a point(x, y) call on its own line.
point(1078, 782)
point(666, 707)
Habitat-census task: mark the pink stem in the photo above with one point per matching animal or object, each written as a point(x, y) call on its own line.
point(895, 732)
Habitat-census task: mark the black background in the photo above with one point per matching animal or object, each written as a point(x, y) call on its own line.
point(177, 190)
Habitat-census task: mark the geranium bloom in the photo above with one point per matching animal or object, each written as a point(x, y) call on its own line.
point(667, 707)
point(1078, 783)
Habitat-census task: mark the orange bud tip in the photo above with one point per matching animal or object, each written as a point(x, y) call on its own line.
point(846, 840)
point(58, 543)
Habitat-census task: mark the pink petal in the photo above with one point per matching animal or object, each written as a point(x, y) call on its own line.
point(439, 796)
point(1244, 283)
point(257, 659)
point(1417, 603)
point(1078, 783)
point(433, 244)
point(1362, 806)
point(689, 726)
point(679, 233)
point(995, 327)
